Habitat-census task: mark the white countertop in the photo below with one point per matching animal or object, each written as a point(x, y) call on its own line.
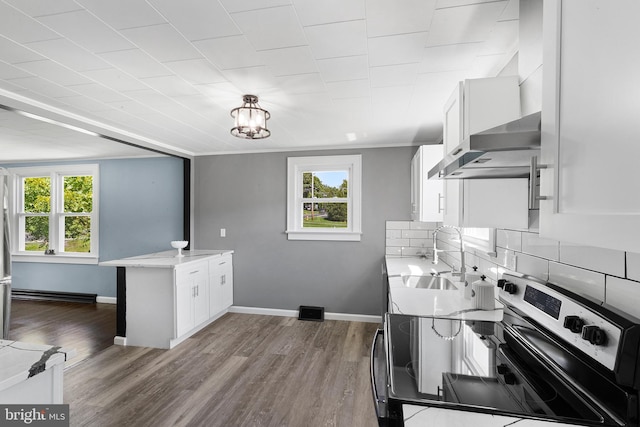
point(431, 302)
point(166, 259)
point(20, 361)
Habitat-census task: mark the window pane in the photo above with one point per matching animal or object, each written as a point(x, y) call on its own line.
point(37, 195)
point(325, 184)
point(78, 193)
point(36, 234)
point(324, 215)
point(77, 234)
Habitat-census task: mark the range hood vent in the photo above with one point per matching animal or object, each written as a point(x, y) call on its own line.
point(501, 152)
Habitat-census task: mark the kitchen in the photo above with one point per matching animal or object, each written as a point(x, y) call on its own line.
point(351, 285)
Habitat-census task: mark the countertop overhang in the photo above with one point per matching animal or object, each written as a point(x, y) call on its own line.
point(166, 259)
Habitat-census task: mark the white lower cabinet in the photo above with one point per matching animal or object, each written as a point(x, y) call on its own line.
point(220, 284)
point(166, 305)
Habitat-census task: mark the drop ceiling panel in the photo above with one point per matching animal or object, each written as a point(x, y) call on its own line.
point(229, 52)
point(449, 57)
point(44, 7)
point(8, 71)
point(196, 71)
point(14, 53)
point(385, 18)
point(162, 42)
point(53, 72)
point(86, 30)
point(71, 55)
point(398, 49)
point(345, 68)
point(289, 61)
point(98, 92)
point(43, 87)
point(121, 14)
point(271, 28)
point(394, 75)
point(327, 11)
point(21, 28)
point(115, 79)
point(136, 62)
point(338, 39)
point(464, 24)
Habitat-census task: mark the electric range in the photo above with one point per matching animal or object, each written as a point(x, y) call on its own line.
point(554, 356)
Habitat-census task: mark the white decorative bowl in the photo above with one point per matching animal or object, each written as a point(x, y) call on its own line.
point(179, 244)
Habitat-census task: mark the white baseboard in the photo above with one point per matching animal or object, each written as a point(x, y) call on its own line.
point(107, 300)
point(294, 313)
point(119, 340)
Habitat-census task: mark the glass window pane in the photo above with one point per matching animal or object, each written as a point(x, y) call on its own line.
point(78, 193)
point(324, 215)
point(37, 195)
point(36, 233)
point(77, 234)
point(325, 184)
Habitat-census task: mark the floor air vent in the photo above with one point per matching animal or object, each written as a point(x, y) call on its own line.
point(308, 312)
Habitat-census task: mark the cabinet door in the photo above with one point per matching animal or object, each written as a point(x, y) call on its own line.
point(184, 301)
point(426, 194)
point(221, 284)
point(226, 283)
point(201, 296)
point(452, 131)
point(452, 202)
point(415, 186)
point(590, 123)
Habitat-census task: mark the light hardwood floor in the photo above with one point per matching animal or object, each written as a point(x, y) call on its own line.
point(243, 370)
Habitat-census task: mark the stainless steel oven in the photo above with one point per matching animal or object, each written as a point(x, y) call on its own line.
point(554, 356)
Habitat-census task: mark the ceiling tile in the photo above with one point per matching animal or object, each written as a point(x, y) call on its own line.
point(122, 14)
point(84, 103)
point(503, 38)
point(54, 72)
point(44, 7)
point(223, 52)
point(115, 79)
point(511, 11)
point(394, 75)
point(170, 86)
point(162, 42)
point(272, 28)
point(339, 39)
point(197, 19)
point(399, 49)
point(86, 30)
point(8, 71)
point(464, 24)
point(327, 11)
point(21, 28)
point(450, 57)
point(250, 79)
point(135, 62)
point(289, 61)
point(303, 83)
point(68, 54)
point(349, 89)
point(13, 52)
point(385, 18)
point(43, 87)
point(443, 4)
point(345, 68)
point(98, 92)
point(244, 5)
point(196, 71)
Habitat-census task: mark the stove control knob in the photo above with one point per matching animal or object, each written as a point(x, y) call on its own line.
point(510, 378)
point(574, 324)
point(510, 288)
point(594, 335)
point(501, 282)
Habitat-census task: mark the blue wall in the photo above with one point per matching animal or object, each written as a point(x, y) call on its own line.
point(140, 212)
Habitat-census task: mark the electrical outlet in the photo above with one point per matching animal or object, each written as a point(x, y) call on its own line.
point(223, 232)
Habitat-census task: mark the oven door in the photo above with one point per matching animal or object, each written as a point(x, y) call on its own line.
point(388, 412)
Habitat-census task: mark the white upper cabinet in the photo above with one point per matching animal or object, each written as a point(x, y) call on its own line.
point(426, 194)
point(591, 123)
point(477, 105)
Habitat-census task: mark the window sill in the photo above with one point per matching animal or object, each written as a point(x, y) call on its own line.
point(55, 259)
point(341, 236)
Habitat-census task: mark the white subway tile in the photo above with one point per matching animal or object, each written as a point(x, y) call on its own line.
point(393, 250)
point(633, 266)
point(623, 295)
point(533, 244)
point(532, 266)
point(421, 243)
point(489, 269)
point(398, 225)
point(506, 258)
point(394, 234)
point(578, 280)
point(509, 239)
point(607, 261)
point(415, 234)
point(412, 251)
point(417, 225)
point(398, 242)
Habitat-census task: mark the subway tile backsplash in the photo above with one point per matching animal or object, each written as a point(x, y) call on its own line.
point(604, 275)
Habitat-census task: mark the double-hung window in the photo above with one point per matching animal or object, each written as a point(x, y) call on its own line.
point(55, 213)
point(324, 198)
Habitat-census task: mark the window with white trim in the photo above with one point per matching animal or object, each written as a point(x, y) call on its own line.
point(324, 198)
point(55, 213)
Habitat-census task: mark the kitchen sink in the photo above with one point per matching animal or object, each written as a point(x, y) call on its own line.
point(429, 282)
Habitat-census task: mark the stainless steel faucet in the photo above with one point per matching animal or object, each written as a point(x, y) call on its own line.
point(436, 251)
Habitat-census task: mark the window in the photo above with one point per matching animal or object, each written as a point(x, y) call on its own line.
point(324, 198)
point(55, 213)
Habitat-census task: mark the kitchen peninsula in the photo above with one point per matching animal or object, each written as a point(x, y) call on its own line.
point(170, 297)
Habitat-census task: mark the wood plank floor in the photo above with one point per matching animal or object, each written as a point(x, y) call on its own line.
point(243, 370)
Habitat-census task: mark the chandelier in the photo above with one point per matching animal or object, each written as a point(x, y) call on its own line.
point(250, 119)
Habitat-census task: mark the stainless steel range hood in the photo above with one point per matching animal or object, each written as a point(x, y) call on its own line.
point(501, 152)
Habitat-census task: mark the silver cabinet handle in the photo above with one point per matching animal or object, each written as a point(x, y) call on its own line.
point(534, 168)
point(440, 198)
point(194, 272)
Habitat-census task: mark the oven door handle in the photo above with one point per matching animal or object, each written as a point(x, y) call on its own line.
point(377, 401)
